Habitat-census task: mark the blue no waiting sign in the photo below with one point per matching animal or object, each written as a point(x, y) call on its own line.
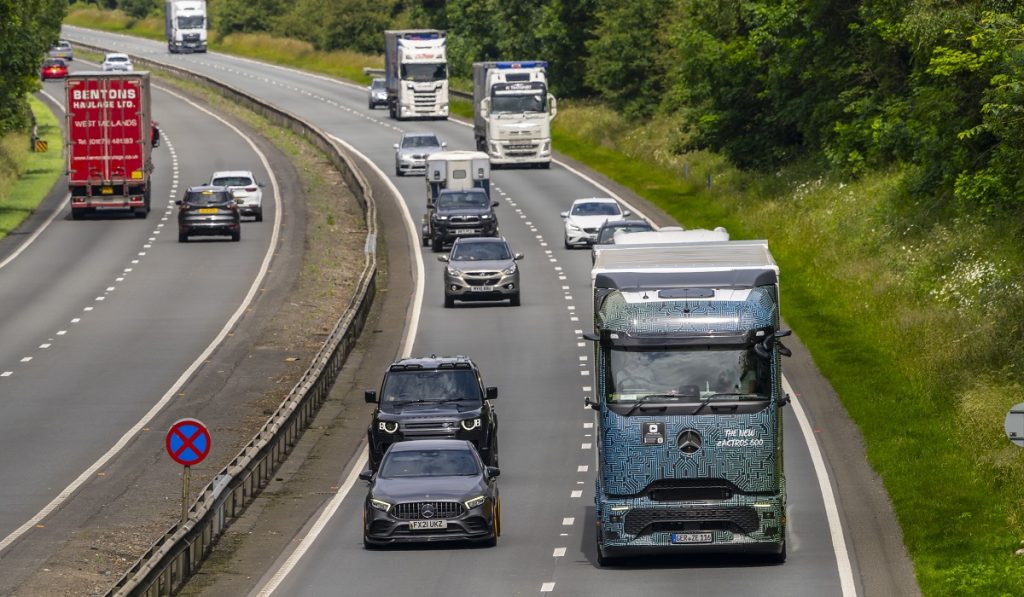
point(188, 442)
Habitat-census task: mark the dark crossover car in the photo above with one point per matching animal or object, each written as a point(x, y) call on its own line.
point(377, 94)
point(481, 269)
point(606, 233)
point(412, 150)
point(433, 398)
point(208, 211)
point(456, 214)
point(431, 490)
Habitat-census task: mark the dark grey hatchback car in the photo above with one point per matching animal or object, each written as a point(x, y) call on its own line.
point(431, 490)
point(208, 211)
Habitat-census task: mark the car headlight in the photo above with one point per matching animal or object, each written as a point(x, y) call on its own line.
point(572, 226)
point(388, 426)
point(380, 504)
point(474, 502)
point(470, 424)
point(453, 272)
point(508, 271)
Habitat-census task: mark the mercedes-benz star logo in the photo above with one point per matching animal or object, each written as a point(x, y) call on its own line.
point(427, 510)
point(689, 441)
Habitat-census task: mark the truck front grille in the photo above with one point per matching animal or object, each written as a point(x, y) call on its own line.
point(742, 519)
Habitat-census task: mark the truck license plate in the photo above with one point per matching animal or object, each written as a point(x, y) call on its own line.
point(107, 191)
point(428, 525)
point(463, 231)
point(689, 538)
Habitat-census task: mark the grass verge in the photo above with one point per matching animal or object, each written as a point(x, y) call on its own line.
point(26, 176)
point(915, 318)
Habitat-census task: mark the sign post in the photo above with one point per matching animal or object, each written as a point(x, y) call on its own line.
point(188, 442)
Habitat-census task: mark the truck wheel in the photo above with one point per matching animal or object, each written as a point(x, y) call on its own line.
point(436, 245)
point(780, 557)
point(77, 214)
point(545, 166)
point(602, 560)
point(141, 213)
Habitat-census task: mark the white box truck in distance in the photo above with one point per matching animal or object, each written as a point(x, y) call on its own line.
point(512, 111)
point(416, 73)
point(185, 25)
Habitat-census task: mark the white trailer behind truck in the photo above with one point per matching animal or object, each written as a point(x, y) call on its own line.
point(512, 111)
point(416, 73)
point(185, 25)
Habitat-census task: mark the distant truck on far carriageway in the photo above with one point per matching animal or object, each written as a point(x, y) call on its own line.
point(512, 111)
point(185, 25)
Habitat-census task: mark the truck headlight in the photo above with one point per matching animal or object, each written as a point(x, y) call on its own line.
point(485, 217)
point(470, 424)
point(388, 426)
point(380, 504)
point(474, 502)
point(442, 218)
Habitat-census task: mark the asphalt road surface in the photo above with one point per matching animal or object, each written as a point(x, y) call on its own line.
point(534, 353)
point(101, 317)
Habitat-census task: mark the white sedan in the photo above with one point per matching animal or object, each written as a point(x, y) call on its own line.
point(247, 192)
point(585, 218)
point(117, 62)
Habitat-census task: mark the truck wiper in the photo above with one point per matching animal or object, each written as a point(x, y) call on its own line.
point(647, 397)
point(711, 397)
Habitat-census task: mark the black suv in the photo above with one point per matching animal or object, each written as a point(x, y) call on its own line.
point(208, 210)
point(433, 398)
point(461, 213)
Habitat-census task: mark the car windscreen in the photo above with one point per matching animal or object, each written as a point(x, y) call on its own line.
point(420, 141)
point(207, 198)
point(429, 463)
point(462, 201)
point(56, 62)
point(117, 59)
point(595, 209)
point(429, 386)
point(377, 84)
point(232, 181)
point(480, 251)
point(686, 373)
point(423, 73)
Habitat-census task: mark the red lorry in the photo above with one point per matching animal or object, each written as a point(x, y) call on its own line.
point(109, 142)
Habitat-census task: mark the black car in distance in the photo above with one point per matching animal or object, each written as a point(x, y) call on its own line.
point(606, 233)
point(431, 490)
point(433, 398)
point(208, 211)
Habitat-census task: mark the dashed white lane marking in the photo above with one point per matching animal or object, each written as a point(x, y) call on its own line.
point(87, 309)
point(568, 521)
point(587, 388)
point(7, 374)
point(559, 552)
point(61, 332)
point(584, 373)
point(588, 425)
point(585, 446)
point(547, 587)
point(76, 320)
point(26, 359)
point(582, 468)
point(576, 493)
point(45, 345)
point(581, 344)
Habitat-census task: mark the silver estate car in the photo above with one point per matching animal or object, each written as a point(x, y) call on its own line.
point(481, 269)
point(412, 150)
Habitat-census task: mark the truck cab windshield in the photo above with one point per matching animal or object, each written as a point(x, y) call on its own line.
point(533, 102)
point(430, 387)
point(423, 73)
point(687, 374)
point(193, 22)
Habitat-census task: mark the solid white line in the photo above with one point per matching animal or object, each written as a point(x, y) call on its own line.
point(156, 408)
point(407, 341)
point(835, 524)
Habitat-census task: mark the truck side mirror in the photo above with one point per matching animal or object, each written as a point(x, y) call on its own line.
point(485, 108)
point(553, 106)
point(590, 403)
point(370, 396)
point(491, 392)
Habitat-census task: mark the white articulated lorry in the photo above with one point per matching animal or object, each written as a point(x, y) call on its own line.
point(416, 73)
point(512, 111)
point(185, 25)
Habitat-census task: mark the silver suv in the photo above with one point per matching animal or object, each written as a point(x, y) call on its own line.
point(412, 150)
point(481, 269)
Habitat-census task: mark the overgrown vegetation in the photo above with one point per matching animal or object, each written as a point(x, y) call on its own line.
point(26, 176)
point(27, 29)
point(876, 144)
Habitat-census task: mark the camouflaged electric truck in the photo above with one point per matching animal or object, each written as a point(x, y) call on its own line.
point(689, 397)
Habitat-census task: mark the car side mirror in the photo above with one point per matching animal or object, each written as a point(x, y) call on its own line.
point(444, 145)
point(591, 403)
point(395, 145)
point(518, 256)
point(370, 396)
point(178, 202)
point(491, 392)
point(626, 213)
point(365, 474)
point(442, 258)
point(260, 185)
point(494, 204)
point(564, 214)
point(492, 472)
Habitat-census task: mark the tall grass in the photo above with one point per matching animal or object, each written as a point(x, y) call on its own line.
point(917, 321)
point(88, 15)
point(25, 176)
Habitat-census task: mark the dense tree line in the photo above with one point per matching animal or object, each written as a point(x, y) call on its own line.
point(27, 29)
point(855, 83)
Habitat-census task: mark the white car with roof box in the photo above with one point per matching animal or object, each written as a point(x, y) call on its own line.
point(117, 62)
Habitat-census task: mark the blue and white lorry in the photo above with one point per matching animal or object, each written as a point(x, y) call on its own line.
point(512, 111)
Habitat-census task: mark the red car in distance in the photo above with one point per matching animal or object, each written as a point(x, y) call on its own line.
point(53, 68)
